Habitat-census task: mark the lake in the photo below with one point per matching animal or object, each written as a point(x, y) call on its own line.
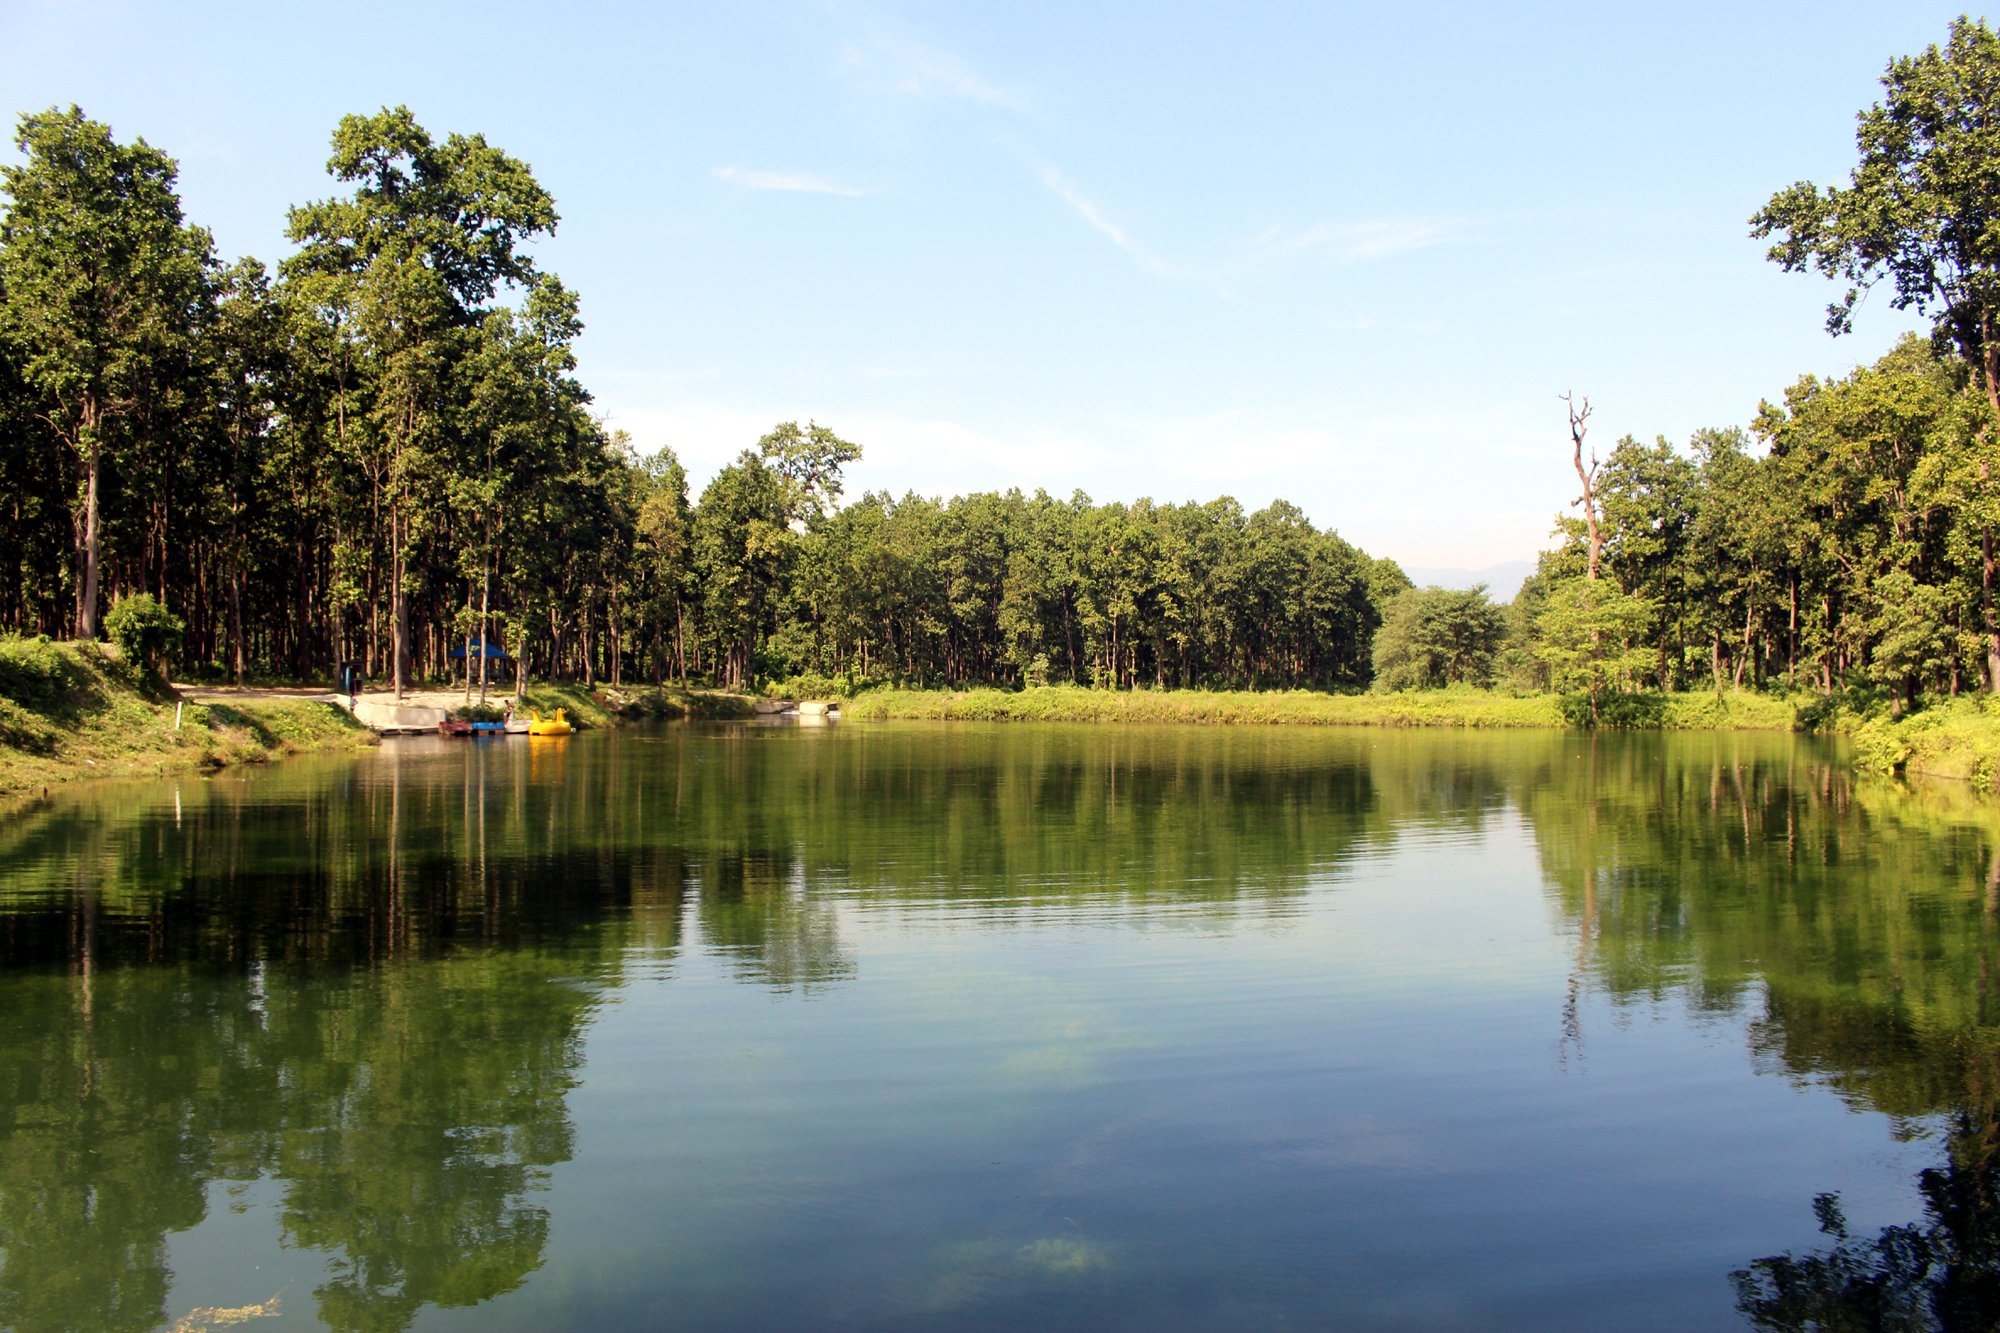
point(921, 1026)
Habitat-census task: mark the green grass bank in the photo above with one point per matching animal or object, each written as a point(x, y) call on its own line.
point(610, 706)
point(75, 710)
point(1427, 708)
point(1958, 739)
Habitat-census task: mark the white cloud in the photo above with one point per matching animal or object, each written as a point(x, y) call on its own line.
point(783, 180)
point(1384, 237)
point(1274, 247)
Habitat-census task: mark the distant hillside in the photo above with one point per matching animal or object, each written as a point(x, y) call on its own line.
point(1502, 581)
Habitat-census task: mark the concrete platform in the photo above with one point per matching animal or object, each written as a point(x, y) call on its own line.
point(397, 717)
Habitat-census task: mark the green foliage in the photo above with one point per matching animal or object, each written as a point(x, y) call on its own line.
point(1957, 739)
point(808, 462)
point(144, 630)
point(1459, 707)
point(1923, 206)
point(812, 685)
point(104, 291)
point(381, 452)
point(34, 671)
point(1431, 637)
point(1593, 640)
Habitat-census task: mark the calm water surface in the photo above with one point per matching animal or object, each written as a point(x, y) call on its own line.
point(967, 1027)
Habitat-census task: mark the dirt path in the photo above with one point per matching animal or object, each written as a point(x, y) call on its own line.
point(446, 699)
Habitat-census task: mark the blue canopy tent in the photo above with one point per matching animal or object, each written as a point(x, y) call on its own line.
point(478, 647)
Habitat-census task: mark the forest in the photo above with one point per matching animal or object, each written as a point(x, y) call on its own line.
point(380, 452)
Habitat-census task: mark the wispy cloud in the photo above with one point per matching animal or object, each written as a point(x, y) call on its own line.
point(784, 180)
point(1095, 216)
point(1381, 238)
point(1091, 213)
point(1276, 246)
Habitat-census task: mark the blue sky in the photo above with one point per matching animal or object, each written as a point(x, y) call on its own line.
point(1344, 255)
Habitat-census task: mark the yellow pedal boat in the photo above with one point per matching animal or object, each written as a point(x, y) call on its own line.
point(550, 726)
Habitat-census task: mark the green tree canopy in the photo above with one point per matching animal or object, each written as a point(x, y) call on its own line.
point(103, 285)
point(1922, 210)
point(1438, 636)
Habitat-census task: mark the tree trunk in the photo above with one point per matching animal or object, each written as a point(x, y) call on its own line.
point(1577, 430)
point(235, 613)
point(1990, 363)
point(468, 647)
point(1986, 604)
point(680, 643)
point(1743, 658)
point(399, 605)
point(485, 615)
point(86, 594)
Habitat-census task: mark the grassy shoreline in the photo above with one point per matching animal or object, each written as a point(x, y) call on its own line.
point(74, 711)
point(71, 711)
point(612, 706)
point(1461, 708)
point(1958, 740)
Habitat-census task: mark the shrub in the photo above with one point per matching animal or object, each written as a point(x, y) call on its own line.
point(1437, 636)
point(812, 685)
point(144, 630)
point(32, 671)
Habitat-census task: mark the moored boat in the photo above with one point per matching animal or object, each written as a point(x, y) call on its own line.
point(453, 726)
point(550, 726)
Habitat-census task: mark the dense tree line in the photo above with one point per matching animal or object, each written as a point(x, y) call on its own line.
point(1844, 551)
point(1848, 537)
point(381, 451)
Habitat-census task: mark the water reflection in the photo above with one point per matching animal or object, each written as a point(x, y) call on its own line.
point(1855, 923)
point(1942, 1273)
point(369, 983)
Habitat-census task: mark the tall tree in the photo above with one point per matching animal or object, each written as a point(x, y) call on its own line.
point(102, 280)
point(429, 235)
point(1923, 211)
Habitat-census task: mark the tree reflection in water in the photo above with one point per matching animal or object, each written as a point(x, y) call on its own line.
point(1942, 1273)
point(1857, 924)
point(369, 983)
point(409, 1113)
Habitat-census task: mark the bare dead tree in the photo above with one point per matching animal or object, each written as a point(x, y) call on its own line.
point(1579, 418)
